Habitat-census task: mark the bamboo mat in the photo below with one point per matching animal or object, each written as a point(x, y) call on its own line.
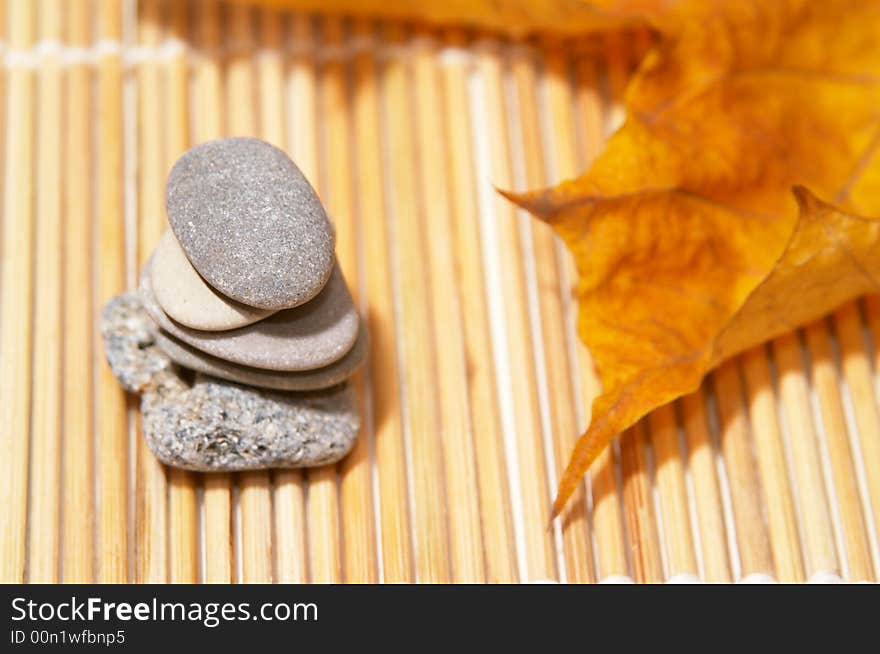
point(477, 385)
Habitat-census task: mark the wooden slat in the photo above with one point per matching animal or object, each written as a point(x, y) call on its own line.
point(111, 447)
point(416, 335)
point(638, 502)
point(183, 509)
point(818, 544)
point(781, 519)
point(500, 557)
point(455, 433)
point(255, 501)
point(669, 477)
point(745, 490)
point(217, 514)
point(46, 409)
point(551, 297)
point(78, 493)
point(863, 394)
point(16, 337)
point(288, 495)
point(382, 365)
point(707, 494)
point(825, 381)
point(356, 492)
point(152, 506)
point(534, 491)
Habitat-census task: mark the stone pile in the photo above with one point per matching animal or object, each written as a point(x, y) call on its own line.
point(243, 332)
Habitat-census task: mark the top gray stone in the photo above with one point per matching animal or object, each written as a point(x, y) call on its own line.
point(250, 223)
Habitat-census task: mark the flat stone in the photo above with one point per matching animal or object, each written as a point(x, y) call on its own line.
point(217, 425)
point(130, 346)
point(187, 298)
point(307, 337)
point(250, 223)
point(305, 380)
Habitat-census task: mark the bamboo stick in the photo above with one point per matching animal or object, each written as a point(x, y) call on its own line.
point(669, 477)
point(323, 493)
point(607, 517)
point(498, 539)
point(183, 509)
point(456, 435)
point(638, 503)
point(78, 494)
point(707, 496)
point(152, 508)
point(356, 491)
point(16, 287)
point(858, 376)
point(535, 493)
point(554, 319)
point(383, 364)
point(217, 515)
point(745, 490)
point(419, 363)
point(815, 520)
point(111, 419)
point(826, 383)
point(781, 518)
point(563, 141)
point(872, 314)
point(254, 497)
point(289, 486)
point(45, 461)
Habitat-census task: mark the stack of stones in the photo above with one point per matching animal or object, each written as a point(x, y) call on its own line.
point(243, 332)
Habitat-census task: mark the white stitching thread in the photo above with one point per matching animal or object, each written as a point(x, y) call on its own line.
point(134, 55)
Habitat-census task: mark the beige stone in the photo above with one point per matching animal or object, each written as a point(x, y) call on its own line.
point(188, 299)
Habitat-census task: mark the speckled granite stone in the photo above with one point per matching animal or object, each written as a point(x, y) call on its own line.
point(220, 426)
point(250, 222)
point(305, 380)
point(216, 425)
point(188, 299)
point(130, 346)
point(307, 337)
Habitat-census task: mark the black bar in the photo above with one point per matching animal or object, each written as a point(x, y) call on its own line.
point(552, 618)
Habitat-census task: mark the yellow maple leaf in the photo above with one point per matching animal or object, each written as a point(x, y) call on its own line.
point(689, 243)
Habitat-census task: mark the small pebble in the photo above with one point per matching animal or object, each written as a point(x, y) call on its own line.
point(307, 337)
point(185, 296)
point(305, 380)
point(130, 346)
point(250, 223)
point(221, 426)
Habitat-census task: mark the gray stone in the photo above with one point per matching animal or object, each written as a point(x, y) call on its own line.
point(305, 380)
point(219, 426)
point(130, 346)
point(215, 425)
point(250, 223)
point(187, 298)
point(307, 337)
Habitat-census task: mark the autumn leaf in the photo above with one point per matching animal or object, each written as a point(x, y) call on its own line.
point(690, 245)
point(516, 17)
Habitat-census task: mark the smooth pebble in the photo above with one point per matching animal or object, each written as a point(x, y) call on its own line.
point(307, 337)
point(250, 222)
point(305, 380)
point(187, 298)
